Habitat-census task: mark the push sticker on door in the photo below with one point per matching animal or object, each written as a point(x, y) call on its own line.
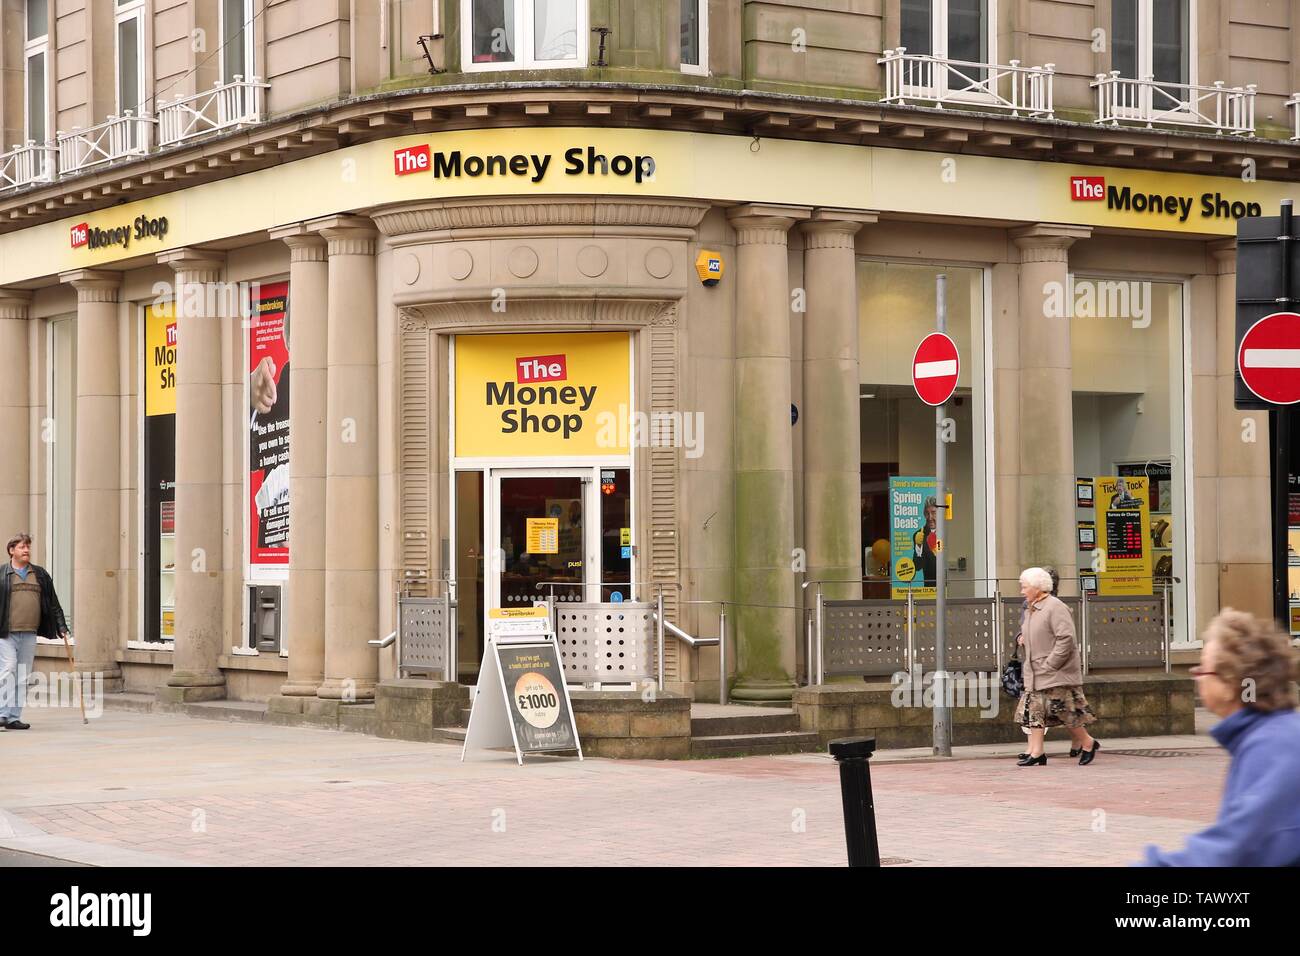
point(543, 395)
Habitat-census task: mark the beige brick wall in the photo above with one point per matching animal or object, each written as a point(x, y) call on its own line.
point(308, 56)
point(842, 40)
point(1060, 32)
point(11, 73)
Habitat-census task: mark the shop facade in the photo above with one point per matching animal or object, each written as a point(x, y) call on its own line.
point(511, 382)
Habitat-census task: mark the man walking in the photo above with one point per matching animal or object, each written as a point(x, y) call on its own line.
point(28, 607)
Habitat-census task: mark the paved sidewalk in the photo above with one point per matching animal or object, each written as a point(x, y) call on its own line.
point(170, 790)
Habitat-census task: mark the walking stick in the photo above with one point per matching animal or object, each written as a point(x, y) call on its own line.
point(81, 696)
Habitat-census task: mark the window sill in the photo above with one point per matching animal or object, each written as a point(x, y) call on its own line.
point(272, 663)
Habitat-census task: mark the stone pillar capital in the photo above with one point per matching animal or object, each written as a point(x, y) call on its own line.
point(762, 224)
point(1224, 253)
point(14, 303)
point(93, 285)
point(834, 228)
point(199, 265)
point(347, 235)
point(1047, 241)
point(305, 245)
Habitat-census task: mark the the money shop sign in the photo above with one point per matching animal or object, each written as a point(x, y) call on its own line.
point(541, 395)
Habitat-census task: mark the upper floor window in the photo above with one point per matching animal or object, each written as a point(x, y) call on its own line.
point(695, 36)
point(36, 50)
point(1153, 38)
point(948, 29)
point(130, 55)
point(523, 34)
point(236, 40)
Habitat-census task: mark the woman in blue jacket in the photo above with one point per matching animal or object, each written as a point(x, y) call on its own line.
point(1245, 676)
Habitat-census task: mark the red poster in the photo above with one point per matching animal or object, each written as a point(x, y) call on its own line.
point(268, 426)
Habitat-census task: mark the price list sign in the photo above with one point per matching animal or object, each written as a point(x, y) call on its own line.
point(1123, 506)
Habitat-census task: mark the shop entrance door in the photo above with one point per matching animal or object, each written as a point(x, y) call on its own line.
point(540, 523)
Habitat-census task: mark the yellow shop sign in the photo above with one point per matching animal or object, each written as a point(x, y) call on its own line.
point(548, 394)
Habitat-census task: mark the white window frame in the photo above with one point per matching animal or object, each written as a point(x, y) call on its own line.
point(939, 46)
point(52, 559)
point(250, 67)
point(1145, 44)
point(524, 24)
point(701, 68)
point(122, 13)
point(31, 48)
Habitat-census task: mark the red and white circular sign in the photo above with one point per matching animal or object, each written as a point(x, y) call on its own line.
point(1269, 358)
point(934, 368)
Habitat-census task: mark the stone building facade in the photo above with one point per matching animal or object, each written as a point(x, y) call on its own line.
point(198, 187)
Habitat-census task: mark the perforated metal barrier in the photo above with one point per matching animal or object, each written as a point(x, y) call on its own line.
point(864, 637)
point(1126, 631)
point(606, 643)
point(424, 634)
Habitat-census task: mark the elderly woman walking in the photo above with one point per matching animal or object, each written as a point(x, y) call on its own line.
point(1053, 674)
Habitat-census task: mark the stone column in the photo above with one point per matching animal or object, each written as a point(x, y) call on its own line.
point(1245, 517)
point(832, 499)
point(199, 454)
point(15, 461)
point(1046, 440)
point(98, 506)
point(305, 611)
point(765, 637)
point(351, 462)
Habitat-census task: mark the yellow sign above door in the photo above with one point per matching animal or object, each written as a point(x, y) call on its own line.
point(550, 395)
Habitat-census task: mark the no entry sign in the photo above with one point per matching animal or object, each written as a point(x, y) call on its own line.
point(1269, 358)
point(934, 368)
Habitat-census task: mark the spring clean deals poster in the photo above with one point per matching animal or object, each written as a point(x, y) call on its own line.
point(268, 426)
point(913, 539)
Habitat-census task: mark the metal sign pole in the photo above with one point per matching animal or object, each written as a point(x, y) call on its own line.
point(942, 716)
point(1280, 431)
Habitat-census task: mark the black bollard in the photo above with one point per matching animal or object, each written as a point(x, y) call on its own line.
point(853, 754)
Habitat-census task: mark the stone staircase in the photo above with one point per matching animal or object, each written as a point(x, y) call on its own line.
point(741, 731)
point(717, 731)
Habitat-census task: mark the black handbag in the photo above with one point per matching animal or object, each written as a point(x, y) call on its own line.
point(1013, 678)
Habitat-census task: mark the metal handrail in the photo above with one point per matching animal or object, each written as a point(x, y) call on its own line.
point(1293, 104)
point(923, 76)
point(235, 104)
point(1147, 100)
point(384, 641)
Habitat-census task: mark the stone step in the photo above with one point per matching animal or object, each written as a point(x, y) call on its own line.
point(745, 745)
point(464, 717)
point(135, 703)
point(449, 735)
point(241, 710)
point(744, 723)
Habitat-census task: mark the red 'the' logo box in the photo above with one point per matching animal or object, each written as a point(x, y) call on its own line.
point(413, 159)
point(1088, 188)
point(541, 368)
point(80, 234)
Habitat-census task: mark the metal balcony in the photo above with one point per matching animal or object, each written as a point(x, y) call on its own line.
point(115, 138)
point(925, 80)
point(225, 106)
point(1148, 102)
point(31, 163)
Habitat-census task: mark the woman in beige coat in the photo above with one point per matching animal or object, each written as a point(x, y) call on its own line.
point(1053, 673)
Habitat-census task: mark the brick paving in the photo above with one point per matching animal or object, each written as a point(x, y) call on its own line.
point(147, 788)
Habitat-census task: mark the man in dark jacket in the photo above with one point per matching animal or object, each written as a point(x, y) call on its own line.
point(28, 607)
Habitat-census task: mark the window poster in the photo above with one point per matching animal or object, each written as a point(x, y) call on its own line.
point(159, 361)
point(268, 425)
point(913, 536)
point(1124, 530)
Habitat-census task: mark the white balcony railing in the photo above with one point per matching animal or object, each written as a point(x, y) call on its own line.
point(224, 106)
point(31, 163)
point(116, 137)
point(937, 81)
point(1226, 109)
point(1293, 104)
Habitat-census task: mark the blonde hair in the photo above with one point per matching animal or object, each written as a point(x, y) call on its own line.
point(1254, 650)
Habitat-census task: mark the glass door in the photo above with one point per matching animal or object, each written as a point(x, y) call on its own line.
point(545, 540)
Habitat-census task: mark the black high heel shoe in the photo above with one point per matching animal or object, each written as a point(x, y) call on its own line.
point(1028, 761)
point(1086, 756)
